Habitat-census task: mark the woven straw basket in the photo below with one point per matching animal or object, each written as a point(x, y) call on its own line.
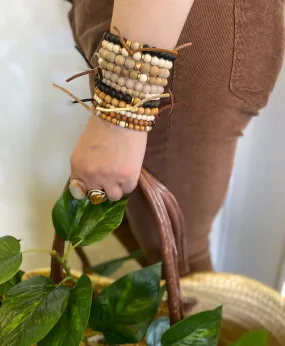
point(247, 304)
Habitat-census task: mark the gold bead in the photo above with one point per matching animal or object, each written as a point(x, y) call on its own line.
point(137, 66)
point(139, 76)
point(128, 43)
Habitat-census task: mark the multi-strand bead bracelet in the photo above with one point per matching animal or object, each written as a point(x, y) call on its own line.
point(129, 82)
point(133, 77)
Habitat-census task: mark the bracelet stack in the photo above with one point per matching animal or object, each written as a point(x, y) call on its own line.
point(133, 81)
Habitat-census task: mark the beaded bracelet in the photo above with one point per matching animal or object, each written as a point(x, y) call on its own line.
point(124, 90)
point(146, 58)
point(156, 79)
point(125, 97)
point(131, 64)
point(135, 46)
point(134, 124)
point(105, 100)
point(130, 84)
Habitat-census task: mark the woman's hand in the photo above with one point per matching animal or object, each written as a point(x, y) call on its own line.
point(108, 158)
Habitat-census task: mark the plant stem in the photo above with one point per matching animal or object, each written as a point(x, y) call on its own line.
point(52, 253)
point(70, 248)
point(66, 267)
point(65, 279)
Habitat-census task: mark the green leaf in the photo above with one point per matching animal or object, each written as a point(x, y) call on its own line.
point(109, 267)
point(202, 329)
point(10, 258)
point(75, 220)
point(30, 310)
point(124, 310)
point(99, 221)
point(252, 339)
point(70, 328)
point(156, 330)
point(63, 214)
point(4, 288)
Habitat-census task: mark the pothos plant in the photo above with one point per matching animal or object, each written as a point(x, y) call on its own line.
point(40, 311)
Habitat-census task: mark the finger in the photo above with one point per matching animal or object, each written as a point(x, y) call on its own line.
point(129, 185)
point(114, 192)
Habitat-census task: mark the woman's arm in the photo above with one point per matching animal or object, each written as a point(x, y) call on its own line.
point(106, 156)
point(155, 22)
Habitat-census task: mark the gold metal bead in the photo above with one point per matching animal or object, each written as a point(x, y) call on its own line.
point(138, 65)
point(128, 43)
point(108, 105)
point(139, 76)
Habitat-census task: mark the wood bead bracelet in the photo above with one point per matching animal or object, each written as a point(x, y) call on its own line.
point(124, 90)
point(108, 47)
point(135, 46)
point(122, 123)
point(136, 121)
point(141, 114)
point(156, 78)
point(125, 97)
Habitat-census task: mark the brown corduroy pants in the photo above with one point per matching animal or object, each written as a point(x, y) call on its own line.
point(224, 79)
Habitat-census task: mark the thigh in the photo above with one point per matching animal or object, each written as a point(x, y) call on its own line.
point(222, 80)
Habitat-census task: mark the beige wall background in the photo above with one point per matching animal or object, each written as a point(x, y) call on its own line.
point(38, 124)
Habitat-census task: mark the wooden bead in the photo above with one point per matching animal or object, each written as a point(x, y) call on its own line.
point(136, 100)
point(145, 68)
point(120, 60)
point(133, 75)
point(154, 71)
point(124, 118)
point(147, 58)
point(141, 110)
point(97, 92)
point(110, 56)
point(141, 122)
point(108, 118)
point(142, 128)
point(110, 66)
point(103, 116)
point(114, 121)
point(117, 69)
point(118, 116)
point(108, 98)
point(104, 64)
point(164, 82)
point(104, 104)
point(147, 111)
point(152, 80)
point(137, 127)
point(102, 95)
point(135, 46)
point(115, 102)
point(122, 104)
point(125, 72)
point(131, 126)
point(145, 123)
point(130, 84)
point(113, 115)
point(130, 63)
point(125, 52)
point(153, 111)
point(154, 60)
point(158, 81)
point(136, 121)
point(130, 120)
